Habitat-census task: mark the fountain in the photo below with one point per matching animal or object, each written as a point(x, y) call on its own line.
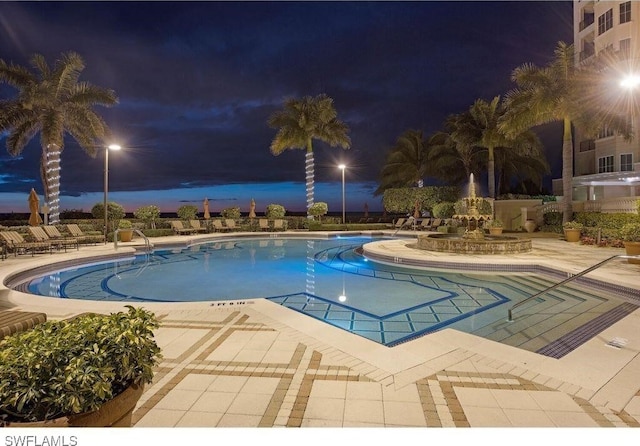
point(473, 240)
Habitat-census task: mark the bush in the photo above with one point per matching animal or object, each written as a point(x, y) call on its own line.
point(115, 212)
point(403, 200)
point(67, 367)
point(443, 210)
point(483, 206)
point(187, 212)
point(148, 214)
point(319, 209)
point(630, 232)
point(275, 211)
point(124, 224)
point(233, 213)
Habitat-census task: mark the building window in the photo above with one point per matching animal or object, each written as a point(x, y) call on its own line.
point(605, 133)
point(626, 162)
point(605, 164)
point(625, 12)
point(625, 48)
point(587, 145)
point(605, 22)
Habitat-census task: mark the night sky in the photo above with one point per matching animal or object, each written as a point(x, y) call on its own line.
point(197, 82)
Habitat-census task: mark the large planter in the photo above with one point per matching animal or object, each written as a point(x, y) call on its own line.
point(572, 235)
point(530, 226)
point(116, 412)
point(632, 249)
point(495, 231)
point(126, 235)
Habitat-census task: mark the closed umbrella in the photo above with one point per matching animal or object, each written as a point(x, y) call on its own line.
point(366, 210)
point(252, 209)
point(34, 218)
point(205, 206)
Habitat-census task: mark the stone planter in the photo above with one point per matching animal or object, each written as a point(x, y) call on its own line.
point(572, 235)
point(530, 226)
point(495, 231)
point(116, 412)
point(632, 249)
point(126, 235)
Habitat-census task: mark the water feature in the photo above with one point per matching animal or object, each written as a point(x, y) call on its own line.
point(473, 240)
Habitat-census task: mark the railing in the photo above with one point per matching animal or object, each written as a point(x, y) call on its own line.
point(569, 279)
point(137, 231)
point(589, 19)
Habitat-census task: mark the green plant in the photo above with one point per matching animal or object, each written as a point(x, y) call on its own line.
point(187, 212)
point(630, 232)
point(403, 200)
point(572, 225)
point(148, 214)
point(125, 224)
point(74, 366)
point(233, 213)
point(114, 211)
point(443, 210)
point(319, 209)
point(495, 223)
point(275, 211)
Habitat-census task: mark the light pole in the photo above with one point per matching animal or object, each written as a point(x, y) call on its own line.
point(106, 186)
point(342, 167)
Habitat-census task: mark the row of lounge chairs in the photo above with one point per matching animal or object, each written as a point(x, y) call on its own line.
point(45, 239)
point(422, 224)
point(226, 225)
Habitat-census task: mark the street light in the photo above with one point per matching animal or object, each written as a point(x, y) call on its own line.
point(630, 81)
point(342, 167)
point(106, 185)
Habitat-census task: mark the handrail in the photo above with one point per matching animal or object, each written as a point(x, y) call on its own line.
point(137, 231)
point(569, 279)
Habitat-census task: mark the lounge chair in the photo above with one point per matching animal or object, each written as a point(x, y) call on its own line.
point(76, 232)
point(278, 225)
point(179, 228)
point(425, 224)
point(195, 224)
point(217, 226)
point(16, 321)
point(435, 224)
point(231, 224)
point(15, 242)
point(264, 224)
point(40, 236)
point(400, 223)
point(55, 234)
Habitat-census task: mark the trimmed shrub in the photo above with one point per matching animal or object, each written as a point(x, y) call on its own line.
point(115, 212)
point(403, 200)
point(319, 209)
point(232, 213)
point(148, 214)
point(275, 211)
point(443, 210)
point(187, 212)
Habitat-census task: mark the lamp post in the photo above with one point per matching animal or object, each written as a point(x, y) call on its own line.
point(342, 167)
point(106, 186)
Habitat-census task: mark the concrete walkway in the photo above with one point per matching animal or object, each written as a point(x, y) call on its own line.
point(255, 363)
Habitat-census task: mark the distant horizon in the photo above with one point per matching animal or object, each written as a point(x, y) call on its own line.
point(291, 195)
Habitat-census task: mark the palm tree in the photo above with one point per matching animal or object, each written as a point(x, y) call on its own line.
point(453, 155)
point(529, 168)
point(299, 123)
point(52, 102)
point(407, 162)
point(560, 91)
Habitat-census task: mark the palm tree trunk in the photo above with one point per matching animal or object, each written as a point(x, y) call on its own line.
point(309, 174)
point(567, 172)
point(491, 173)
point(51, 178)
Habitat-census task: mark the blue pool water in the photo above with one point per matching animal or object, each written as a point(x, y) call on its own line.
point(323, 278)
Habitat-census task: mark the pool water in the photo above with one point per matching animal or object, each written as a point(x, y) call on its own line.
point(327, 279)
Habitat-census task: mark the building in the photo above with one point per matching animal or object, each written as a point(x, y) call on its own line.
point(607, 167)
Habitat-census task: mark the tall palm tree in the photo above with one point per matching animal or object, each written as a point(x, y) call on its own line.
point(52, 102)
point(407, 162)
point(524, 168)
point(453, 155)
point(299, 123)
point(559, 91)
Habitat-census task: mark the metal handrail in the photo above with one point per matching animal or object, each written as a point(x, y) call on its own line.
point(137, 231)
point(569, 279)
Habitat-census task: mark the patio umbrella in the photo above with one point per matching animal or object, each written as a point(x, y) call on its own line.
point(366, 210)
point(252, 209)
point(34, 218)
point(416, 212)
point(205, 206)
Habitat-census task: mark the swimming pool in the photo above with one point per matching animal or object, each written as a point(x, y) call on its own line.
point(327, 279)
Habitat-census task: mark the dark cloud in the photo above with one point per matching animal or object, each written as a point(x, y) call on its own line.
point(197, 81)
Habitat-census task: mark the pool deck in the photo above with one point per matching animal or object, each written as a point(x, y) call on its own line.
point(255, 363)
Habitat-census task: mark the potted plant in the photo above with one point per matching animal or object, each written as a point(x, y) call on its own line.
point(125, 229)
point(86, 371)
point(495, 226)
point(630, 234)
point(572, 231)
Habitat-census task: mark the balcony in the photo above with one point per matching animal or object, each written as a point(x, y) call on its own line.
point(588, 51)
point(587, 21)
point(587, 145)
